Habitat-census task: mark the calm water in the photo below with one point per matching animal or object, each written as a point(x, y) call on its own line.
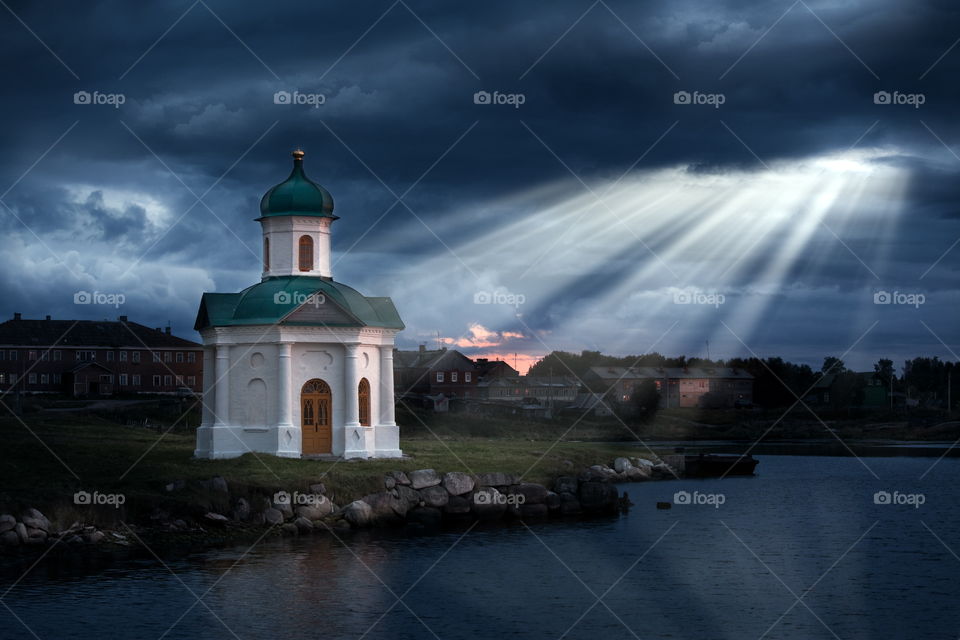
point(803, 525)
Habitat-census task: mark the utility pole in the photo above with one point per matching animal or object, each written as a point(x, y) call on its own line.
point(708, 350)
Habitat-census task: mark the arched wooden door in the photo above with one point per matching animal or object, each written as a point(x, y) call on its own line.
point(315, 419)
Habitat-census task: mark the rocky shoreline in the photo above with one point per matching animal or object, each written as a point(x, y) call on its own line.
point(421, 499)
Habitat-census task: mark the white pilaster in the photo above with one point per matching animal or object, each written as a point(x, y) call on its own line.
point(350, 384)
point(222, 387)
point(284, 408)
point(206, 409)
point(387, 402)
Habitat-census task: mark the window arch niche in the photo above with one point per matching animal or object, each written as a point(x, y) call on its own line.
point(363, 392)
point(306, 253)
point(266, 254)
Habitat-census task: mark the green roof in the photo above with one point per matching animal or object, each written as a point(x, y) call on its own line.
point(298, 195)
point(272, 300)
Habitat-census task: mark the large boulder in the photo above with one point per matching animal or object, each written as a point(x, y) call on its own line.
point(598, 497)
point(488, 503)
point(7, 523)
point(36, 536)
point(217, 483)
point(457, 505)
point(283, 504)
point(303, 525)
point(21, 530)
point(272, 516)
point(458, 483)
point(435, 496)
point(642, 462)
point(407, 498)
point(9, 538)
point(532, 493)
point(400, 479)
point(216, 519)
point(241, 510)
point(359, 514)
point(319, 507)
point(565, 484)
point(552, 501)
point(318, 487)
point(35, 519)
point(622, 465)
point(496, 479)
point(636, 474)
point(597, 473)
point(423, 478)
point(385, 508)
point(569, 504)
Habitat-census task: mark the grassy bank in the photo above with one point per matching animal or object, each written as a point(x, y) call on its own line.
point(45, 462)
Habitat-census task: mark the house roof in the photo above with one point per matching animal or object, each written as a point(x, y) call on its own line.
point(826, 380)
point(431, 359)
point(275, 299)
point(88, 333)
point(688, 373)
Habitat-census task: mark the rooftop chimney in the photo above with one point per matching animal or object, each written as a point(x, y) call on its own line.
point(16, 316)
point(123, 318)
point(48, 317)
point(167, 331)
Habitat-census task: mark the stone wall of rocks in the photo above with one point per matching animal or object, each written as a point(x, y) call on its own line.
point(422, 498)
point(33, 528)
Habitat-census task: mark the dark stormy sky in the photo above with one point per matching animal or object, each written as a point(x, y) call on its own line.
point(591, 203)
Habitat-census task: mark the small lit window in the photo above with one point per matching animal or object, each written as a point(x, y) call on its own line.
point(191, 356)
point(32, 378)
point(467, 376)
point(123, 379)
point(179, 356)
point(156, 381)
point(306, 253)
point(167, 356)
point(123, 356)
point(109, 356)
point(136, 380)
point(44, 378)
point(454, 376)
point(167, 381)
point(136, 356)
point(45, 355)
point(31, 355)
point(439, 376)
point(156, 357)
point(191, 381)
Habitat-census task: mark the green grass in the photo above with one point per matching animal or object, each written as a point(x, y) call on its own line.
point(46, 461)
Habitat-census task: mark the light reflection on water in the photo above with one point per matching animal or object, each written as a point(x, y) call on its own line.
point(800, 516)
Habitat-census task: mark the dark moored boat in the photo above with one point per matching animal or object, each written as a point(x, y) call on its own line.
point(712, 464)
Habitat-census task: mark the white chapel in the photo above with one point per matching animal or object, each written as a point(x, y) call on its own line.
point(299, 364)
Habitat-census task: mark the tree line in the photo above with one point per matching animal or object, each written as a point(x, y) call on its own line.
point(778, 382)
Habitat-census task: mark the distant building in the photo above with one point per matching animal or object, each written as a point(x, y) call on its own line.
point(93, 357)
point(850, 390)
point(435, 372)
point(558, 391)
point(701, 387)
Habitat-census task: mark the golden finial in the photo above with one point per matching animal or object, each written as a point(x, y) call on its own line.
point(298, 154)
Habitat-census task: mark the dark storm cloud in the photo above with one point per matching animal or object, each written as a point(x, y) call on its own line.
point(596, 96)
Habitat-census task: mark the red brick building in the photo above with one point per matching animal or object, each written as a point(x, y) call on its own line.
point(89, 357)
